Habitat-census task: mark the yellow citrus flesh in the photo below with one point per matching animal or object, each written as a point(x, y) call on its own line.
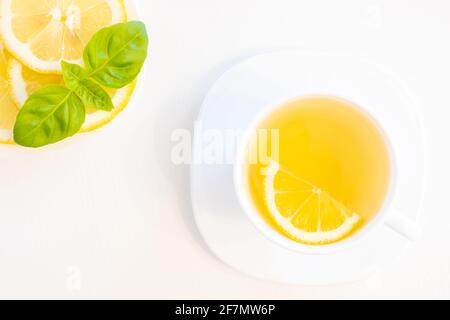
point(24, 81)
point(42, 33)
point(8, 109)
point(96, 119)
point(304, 212)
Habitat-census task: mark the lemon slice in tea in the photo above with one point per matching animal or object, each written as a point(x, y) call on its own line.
point(305, 212)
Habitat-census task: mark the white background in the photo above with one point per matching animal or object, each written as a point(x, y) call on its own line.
point(107, 215)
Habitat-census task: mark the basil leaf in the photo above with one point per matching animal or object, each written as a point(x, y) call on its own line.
point(115, 55)
point(90, 93)
point(49, 115)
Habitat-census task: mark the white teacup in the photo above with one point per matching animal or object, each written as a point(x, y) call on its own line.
point(387, 215)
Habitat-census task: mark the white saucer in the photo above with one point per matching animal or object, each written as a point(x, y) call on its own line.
point(268, 79)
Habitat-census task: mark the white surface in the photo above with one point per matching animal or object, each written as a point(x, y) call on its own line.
point(108, 215)
point(243, 96)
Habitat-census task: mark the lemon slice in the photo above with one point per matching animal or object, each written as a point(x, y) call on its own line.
point(96, 119)
point(24, 81)
point(8, 109)
point(42, 33)
point(304, 212)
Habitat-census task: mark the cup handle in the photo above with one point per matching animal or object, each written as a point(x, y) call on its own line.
point(404, 226)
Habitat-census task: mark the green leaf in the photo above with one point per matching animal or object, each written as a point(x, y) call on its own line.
point(90, 93)
point(115, 55)
point(49, 115)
